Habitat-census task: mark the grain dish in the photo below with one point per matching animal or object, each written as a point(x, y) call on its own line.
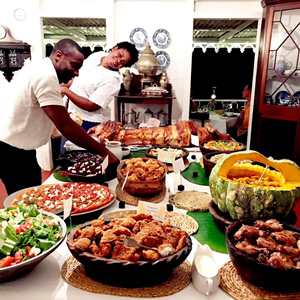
point(191, 200)
point(223, 146)
point(181, 221)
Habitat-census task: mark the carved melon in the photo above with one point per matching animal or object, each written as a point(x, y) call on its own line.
point(247, 190)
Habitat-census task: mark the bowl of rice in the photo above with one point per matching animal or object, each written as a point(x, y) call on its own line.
point(210, 160)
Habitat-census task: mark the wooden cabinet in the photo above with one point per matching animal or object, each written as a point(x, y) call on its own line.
point(122, 100)
point(276, 119)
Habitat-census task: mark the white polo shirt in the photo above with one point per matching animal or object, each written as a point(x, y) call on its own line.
point(98, 84)
point(24, 124)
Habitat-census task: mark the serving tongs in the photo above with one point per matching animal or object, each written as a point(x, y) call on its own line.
point(130, 242)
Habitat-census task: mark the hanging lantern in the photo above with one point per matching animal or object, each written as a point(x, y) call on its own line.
point(12, 53)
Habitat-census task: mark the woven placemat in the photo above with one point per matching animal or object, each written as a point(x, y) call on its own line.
point(133, 200)
point(233, 285)
point(74, 274)
point(191, 200)
point(120, 213)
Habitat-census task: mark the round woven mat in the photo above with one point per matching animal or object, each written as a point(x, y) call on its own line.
point(74, 274)
point(184, 222)
point(133, 200)
point(233, 285)
point(120, 213)
point(191, 200)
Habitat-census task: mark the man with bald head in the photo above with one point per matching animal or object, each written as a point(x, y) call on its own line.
point(33, 105)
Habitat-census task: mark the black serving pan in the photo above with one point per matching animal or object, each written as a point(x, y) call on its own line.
point(68, 159)
point(260, 274)
point(127, 273)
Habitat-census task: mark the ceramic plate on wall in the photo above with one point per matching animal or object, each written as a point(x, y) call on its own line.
point(282, 97)
point(138, 36)
point(161, 38)
point(297, 94)
point(163, 59)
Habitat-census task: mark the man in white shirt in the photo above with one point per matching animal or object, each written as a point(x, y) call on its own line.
point(33, 106)
point(98, 82)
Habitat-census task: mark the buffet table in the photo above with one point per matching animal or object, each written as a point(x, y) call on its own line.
point(222, 123)
point(45, 281)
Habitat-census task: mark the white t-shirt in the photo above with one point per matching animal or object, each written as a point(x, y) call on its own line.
point(98, 84)
point(24, 124)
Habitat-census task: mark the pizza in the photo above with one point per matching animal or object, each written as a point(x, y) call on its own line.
point(85, 196)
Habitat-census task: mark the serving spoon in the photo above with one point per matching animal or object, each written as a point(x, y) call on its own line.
point(130, 242)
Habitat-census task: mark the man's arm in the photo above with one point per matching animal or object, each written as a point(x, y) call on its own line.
point(75, 133)
point(81, 102)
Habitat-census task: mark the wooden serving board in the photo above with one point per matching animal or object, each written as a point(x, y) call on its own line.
point(133, 200)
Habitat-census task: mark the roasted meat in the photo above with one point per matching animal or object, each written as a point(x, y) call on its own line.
point(272, 225)
point(108, 239)
point(270, 243)
point(247, 231)
point(281, 261)
point(285, 237)
point(82, 244)
point(150, 255)
point(125, 253)
point(267, 243)
point(248, 248)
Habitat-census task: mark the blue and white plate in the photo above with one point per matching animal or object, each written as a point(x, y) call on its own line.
point(161, 38)
point(139, 37)
point(163, 59)
point(297, 95)
point(282, 97)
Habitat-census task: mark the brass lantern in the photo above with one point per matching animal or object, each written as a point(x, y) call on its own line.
point(148, 66)
point(12, 53)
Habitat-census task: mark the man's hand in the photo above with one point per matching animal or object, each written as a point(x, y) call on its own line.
point(113, 163)
point(112, 159)
point(63, 90)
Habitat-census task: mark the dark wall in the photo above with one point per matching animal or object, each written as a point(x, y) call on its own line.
point(228, 72)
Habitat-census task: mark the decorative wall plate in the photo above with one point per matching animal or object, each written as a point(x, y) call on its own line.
point(19, 14)
point(138, 36)
point(282, 97)
point(161, 38)
point(3, 32)
point(163, 59)
point(297, 94)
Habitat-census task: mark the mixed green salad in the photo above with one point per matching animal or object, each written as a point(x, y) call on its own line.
point(24, 233)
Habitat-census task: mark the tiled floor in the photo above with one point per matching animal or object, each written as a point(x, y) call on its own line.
point(3, 194)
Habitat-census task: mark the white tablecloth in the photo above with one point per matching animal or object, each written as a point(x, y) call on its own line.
point(45, 281)
point(222, 123)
